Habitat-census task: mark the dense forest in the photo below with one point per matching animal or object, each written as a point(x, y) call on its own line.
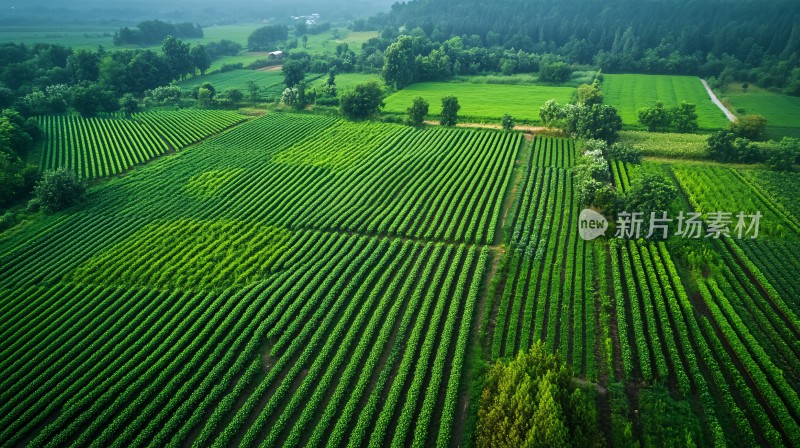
point(744, 40)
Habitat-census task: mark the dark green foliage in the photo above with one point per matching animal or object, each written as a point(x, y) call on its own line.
point(267, 38)
point(178, 57)
point(16, 177)
point(398, 67)
point(294, 71)
point(58, 189)
point(154, 31)
point(450, 108)
point(201, 58)
point(625, 153)
point(655, 118)
point(720, 146)
point(363, 101)
point(507, 123)
point(531, 401)
point(599, 121)
point(684, 118)
point(128, 104)
point(418, 111)
point(783, 156)
point(650, 193)
point(751, 127)
point(90, 99)
point(589, 94)
point(592, 177)
point(555, 72)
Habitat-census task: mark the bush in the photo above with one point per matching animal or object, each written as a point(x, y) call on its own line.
point(58, 189)
point(555, 72)
point(751, 127)
point(363, 101)
point(650, 193)
point(508, 123)
point(231, 67)
point(782, 156)
point(625, 153)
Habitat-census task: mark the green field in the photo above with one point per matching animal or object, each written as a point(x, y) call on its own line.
point(629, 93)
point(347, 81)
point(297, 265)
point(481, 101)
point(270, 82)
point(669, 145)
point(781, 111)
point(302, 280)
point(100, 147)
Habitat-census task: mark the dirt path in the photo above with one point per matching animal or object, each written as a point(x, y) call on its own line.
point(716, 101)
point(271, 68)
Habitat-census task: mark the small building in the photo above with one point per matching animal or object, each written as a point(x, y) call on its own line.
point(275, 54)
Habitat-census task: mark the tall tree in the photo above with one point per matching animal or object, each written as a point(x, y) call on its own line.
point(178, 58)
point(398, 67)
point(200, 58)
point(450, 108)
point(294, 72)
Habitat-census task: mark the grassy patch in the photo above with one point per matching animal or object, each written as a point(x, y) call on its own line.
point(481, 101)
point(629, 93)
point(781, 111)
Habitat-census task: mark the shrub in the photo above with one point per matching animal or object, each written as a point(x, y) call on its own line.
point(58, 189)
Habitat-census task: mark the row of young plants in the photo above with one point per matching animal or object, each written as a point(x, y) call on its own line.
point(101, 147)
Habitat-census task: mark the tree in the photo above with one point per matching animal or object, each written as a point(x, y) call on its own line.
point(600, 121)
point(58, 189)
point(305, 41)
point(178, 59)
point(550, 113)
point(650, 193)
point(418, 111)
point(589, 94)
point(398, 67)
point(450, 108)
point(253, 91)
point(267, 37)
point(200, 58)
point(83, 65)
point(531, 401)
point(90, 99)
point(507, 123)
point(555, 72)
point(751, 127)
point(655, 118)
point(205, 97)
point(128, 104)
point(363, 101)
point(783, 156)
point(720, 145)
point(684, 117)
point(294, 71)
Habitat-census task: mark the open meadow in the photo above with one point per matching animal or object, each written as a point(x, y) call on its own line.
point(483, 102)
point(629, 93)
point(781, 111)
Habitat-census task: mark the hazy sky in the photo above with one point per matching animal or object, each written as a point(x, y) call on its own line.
point(187, 9)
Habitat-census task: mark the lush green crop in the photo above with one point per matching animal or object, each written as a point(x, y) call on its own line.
point(100, 147)
point(256, 282)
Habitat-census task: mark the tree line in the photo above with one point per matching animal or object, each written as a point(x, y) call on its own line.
point(755, 41)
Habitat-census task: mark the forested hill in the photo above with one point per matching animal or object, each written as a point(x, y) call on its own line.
point(721, 26)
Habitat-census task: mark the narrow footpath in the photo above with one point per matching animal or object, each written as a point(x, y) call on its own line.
point(716, 101)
